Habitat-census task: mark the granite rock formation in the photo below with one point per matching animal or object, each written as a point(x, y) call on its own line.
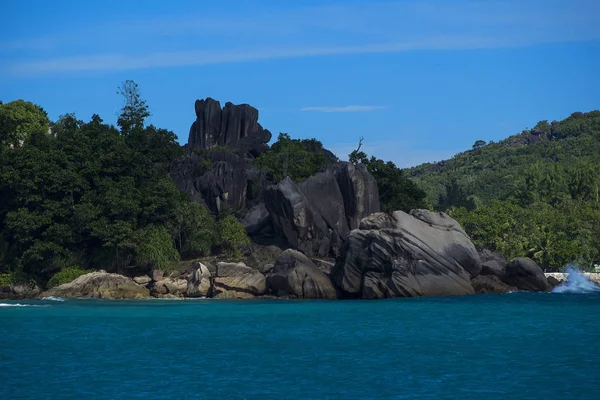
point(316, 215)
point(235, 126)
point(236, 280)
point(525, 274)
point(100, 285)
point(406, 255)
point(295, 275)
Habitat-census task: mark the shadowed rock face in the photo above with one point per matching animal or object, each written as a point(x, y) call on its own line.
point(405, 255)
point(295, 275)
point(224, 181)
point(316, 215)
point(525, 274)
point(234, 126)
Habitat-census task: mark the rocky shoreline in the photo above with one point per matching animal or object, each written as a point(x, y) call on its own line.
point(414, 254)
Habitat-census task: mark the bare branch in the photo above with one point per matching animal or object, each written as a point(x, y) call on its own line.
point(360, 143)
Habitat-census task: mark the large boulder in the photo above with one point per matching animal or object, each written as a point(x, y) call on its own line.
point(359, 191)
point(101, 285)
point(236, 280)
point(484, 284)
point(199, 283)
point(405, 255)
point(297, 219)
point(170, 287)
point(295, 275)
point(19, 290)
point(525, 274)
point(233, 126)
point(316, 215)
point(325, 196)
point(256, 219)
point(492, 263)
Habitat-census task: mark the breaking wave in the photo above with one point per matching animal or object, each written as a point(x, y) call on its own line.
point(53, 298)
point(576, 283)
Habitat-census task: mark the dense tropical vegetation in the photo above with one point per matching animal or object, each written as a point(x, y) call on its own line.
point(535, 194)
point(76, 195)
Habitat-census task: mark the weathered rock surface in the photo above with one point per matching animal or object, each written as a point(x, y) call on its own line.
point(324, 265)
point(324, 194)
point(256, 219)
point(315, 216)
point(233, 125)
point(494, 268)
point(223, 180)
point(402, 255)
point(101, 285)
point(525, 274)
point(553, 282)
point(199, 282)
point(297, 219)
point(236, 280)
point(359, 191)
point(484, 284)
point(294, 274)
point(17, 291)
point(142, 280)
point(169, 286)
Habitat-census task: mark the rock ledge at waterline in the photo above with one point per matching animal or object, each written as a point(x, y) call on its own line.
point(420, 253)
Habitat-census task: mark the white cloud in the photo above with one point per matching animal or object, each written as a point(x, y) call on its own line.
point(163, 59)
point(343, 29)
point(342, 109)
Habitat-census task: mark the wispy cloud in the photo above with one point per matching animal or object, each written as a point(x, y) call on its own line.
point(120, 62)
point(342, 109)
point(291, 32)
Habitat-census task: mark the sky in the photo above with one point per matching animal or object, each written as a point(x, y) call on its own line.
point(419, 80)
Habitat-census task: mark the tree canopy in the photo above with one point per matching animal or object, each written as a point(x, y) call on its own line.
point(535, 194)
point(20, 119)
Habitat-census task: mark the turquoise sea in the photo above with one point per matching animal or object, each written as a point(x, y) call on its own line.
point(512, 346)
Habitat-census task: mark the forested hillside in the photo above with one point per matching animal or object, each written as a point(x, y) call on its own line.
point(534, 194)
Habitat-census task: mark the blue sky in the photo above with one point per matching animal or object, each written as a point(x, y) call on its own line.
point(420, 80)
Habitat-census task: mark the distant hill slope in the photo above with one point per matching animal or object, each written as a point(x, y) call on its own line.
point(497, 171)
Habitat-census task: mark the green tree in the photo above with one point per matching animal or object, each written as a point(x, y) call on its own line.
point(395, 191)
point(298, 159)
point(233, 236)
point(155, 247)
point(134, 111)
point(478, 144)
point(18, 120)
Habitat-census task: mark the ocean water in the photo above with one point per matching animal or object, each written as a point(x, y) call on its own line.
point(511, 346)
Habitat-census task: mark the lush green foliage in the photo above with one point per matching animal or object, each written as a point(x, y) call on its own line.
point(296, 158)
point(233, 235)
point(134, 111)
point(535, 194)
point(18, 120)
point(395, 191)
point(92, 196)
point(67, 275)
point(155, 247)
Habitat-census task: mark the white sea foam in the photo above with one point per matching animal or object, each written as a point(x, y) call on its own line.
point(53, 298)
point(20, 305)
point(576, 283)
